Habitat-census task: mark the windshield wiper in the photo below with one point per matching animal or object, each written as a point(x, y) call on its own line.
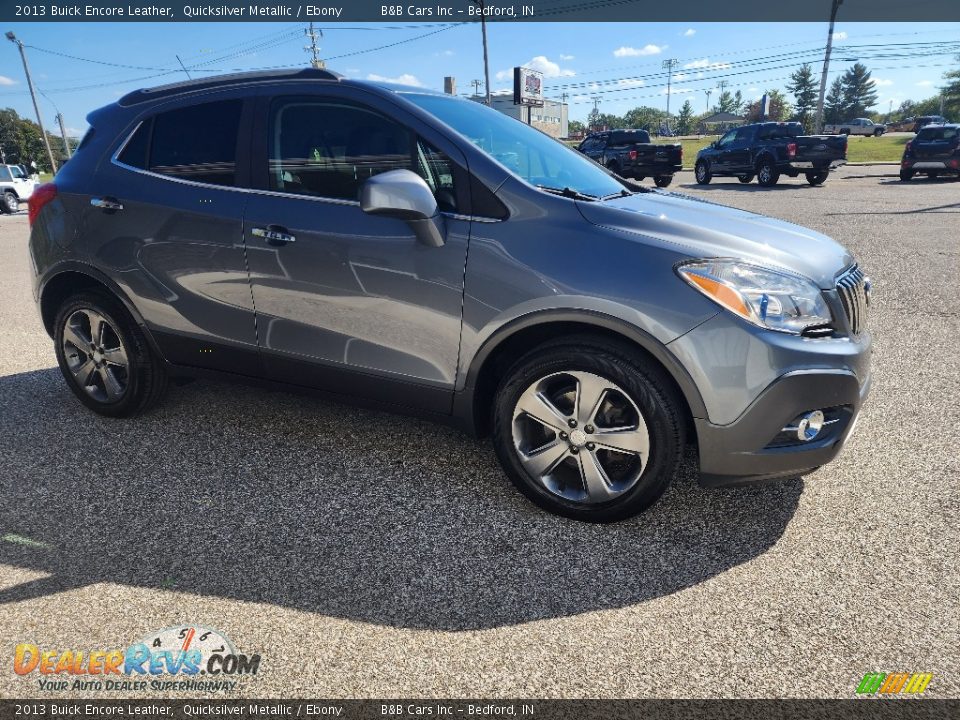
point(567, 192)
point(625, 193)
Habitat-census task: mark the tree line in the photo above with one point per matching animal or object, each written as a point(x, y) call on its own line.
point(21, 142)
point(851, 95)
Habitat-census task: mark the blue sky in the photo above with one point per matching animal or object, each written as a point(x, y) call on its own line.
point(621, 63)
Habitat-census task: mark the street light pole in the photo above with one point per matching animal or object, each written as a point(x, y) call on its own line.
point(63, 130)
point(483, 30)
point(818, 123)
point(669, 65)
point(26, 68)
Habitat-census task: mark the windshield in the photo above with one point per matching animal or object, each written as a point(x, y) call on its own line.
point(525, 151)
point(17, 172)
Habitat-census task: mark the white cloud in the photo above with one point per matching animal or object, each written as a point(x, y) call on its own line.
point(839, 36)
point(445, 53)
point(925, 83)
point(882, 82)
point(753, 89)
point(639, 52)
point(404, 79)
point(4, 80)
point(680, 76)
point(625, 83)
point(678, 91)
point(690, 33)
point(705, 64)
point(541, 63)
point(566, 57)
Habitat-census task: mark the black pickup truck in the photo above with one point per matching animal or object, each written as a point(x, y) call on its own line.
point(768, 150)
point(934, 151)
point(630, 154)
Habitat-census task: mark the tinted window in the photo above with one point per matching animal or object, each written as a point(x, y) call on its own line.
point(5, 173)
point(330, 149)
point(134, 152)
point(623, 138)
point(728, 138)
point(197, 142)
point(526, 152)
point(936, 133)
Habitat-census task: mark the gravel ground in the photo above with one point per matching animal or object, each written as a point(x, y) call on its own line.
point(368, 555)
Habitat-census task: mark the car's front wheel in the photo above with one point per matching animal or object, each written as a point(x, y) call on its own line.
point(817, 178)
point(588, 429)
point(906, 175)
point(702, 172)
point(11, 203)
point(662, 181)
point(105, 358)
point(745, 179)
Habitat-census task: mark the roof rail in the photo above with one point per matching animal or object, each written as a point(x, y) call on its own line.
point(145, 94)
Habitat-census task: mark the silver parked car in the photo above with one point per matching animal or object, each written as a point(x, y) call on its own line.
point(393, 246)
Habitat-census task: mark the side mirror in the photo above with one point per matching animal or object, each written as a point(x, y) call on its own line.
point(404, 195)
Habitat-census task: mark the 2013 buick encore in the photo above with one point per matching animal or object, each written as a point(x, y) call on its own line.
point(412, 250)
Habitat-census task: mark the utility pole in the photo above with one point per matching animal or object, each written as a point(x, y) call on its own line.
point(313, 48)
point(476, 86)
point(669, 65)
point(942, 94)
point(486, 62)
point(818, 124)
point(721, 86)
point(708, 93)
point(596, 109)
point(26, 69)
point(59, 119)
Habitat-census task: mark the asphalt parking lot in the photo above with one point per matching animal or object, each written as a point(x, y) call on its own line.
point(368, 555)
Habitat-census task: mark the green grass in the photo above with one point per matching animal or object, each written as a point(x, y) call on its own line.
point(887, 148)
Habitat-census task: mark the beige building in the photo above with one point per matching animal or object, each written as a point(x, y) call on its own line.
point(552, 118)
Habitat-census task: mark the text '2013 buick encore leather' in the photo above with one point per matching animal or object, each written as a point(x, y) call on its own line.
point(412, 250)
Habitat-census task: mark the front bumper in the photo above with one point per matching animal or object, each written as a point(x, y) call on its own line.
point(744, 451)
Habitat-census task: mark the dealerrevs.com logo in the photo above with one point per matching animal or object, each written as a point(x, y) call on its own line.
point(186, 658)
point(890, 684)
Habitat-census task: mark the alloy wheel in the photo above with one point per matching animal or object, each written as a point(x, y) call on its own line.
point(96, 356)
point(580, 436)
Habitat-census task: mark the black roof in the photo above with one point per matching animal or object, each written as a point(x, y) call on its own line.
point(145, 94)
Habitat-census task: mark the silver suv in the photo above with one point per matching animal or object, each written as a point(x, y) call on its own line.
point(411, 250)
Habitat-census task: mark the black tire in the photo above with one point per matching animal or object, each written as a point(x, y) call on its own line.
point(10, 204)
point(746, 179)
point(933, 174)
point(614, 167)
point(817, 178)
point(662, 181)
point(877, 133)
point(701, 172)
point(906, 175)
point(143, 380)
point(648, 389)
point(767, 173)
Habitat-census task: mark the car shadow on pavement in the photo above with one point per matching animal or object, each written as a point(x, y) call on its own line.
point(752, 186)
point(269, 497)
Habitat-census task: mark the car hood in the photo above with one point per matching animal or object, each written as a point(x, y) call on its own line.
point(704, 229)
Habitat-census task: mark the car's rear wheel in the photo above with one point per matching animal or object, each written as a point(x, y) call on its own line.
point(906, 175)
point(105, 358)
point(745, 179)
point(701, 172)
point(588, 430)
point(817, 178)
point(662, 181)
point(767, 173)
point(11, 203)
point(877, 133)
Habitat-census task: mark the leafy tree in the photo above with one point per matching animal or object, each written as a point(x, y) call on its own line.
point(728, 103)
point(737, 102)
point(22, 142)
point(575, 127)
point(804, 89)
point(644, 118)
point(859, 91)
point(685, 119)
point(951, 94)
point(834, 107)
point(779, 108)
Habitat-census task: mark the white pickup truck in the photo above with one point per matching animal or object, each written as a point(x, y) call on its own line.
point(15, 188)
point(859, 126)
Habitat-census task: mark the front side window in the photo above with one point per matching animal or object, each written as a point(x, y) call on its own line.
point(330, 149)
point(17, 173)
point(728, 138)
point(193, 143)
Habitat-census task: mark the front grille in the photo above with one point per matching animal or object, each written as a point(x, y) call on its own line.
point(852, 289)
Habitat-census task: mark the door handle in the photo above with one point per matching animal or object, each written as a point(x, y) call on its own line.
point(273, 234)
point(106, 203)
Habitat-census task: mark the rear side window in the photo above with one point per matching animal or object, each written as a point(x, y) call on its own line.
point(196, 143)
point(5, 173)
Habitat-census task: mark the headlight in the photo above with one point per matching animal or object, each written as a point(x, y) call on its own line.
point(765, 297)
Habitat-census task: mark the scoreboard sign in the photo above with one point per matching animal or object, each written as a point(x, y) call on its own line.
point(527, 87)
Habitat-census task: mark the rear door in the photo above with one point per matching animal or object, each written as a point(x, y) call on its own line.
point(349, 302)
point(166, 219)
point(738, 156)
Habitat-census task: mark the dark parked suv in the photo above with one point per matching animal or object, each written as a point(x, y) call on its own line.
point(416, 251)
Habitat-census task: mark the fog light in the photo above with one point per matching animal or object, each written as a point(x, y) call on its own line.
point(810, 426)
